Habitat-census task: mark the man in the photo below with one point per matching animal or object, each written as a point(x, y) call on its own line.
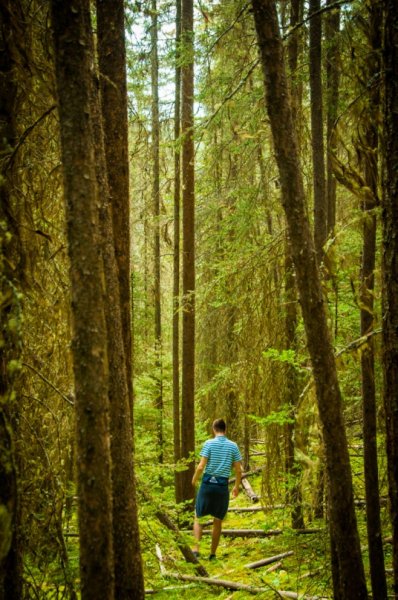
point(218, 456)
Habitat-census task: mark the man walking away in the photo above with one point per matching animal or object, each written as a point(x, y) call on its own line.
point(218, 456)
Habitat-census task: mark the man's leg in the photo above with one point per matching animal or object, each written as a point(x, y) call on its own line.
point(197, 532)
point(216, 533)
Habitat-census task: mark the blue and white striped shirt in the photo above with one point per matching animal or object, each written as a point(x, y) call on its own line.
point(221, 453)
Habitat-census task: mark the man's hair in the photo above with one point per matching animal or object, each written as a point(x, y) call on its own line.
point(219, 425)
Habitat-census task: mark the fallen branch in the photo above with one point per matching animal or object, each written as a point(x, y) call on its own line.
point(233, 585)
point(274, 567)
point(311, 573)
point(255, 508)
point(246, 532)
point(267, 561)
point(229, 585)
point(171, 526)
point(307, 531)
point(296, 596)
point(247, 474)
point(160, 559)
point(249, 491)
point(150, 591)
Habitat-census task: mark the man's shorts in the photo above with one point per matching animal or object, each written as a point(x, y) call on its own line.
point(213, 497)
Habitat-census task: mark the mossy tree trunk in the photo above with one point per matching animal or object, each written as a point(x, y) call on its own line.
point(11, 282)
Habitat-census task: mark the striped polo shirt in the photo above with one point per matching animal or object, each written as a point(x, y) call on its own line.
point(221, 453)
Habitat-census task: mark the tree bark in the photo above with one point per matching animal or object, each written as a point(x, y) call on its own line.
point(176, 258)
point(370, 167)
point(73, 63)
point(342, 513)
point(390, 263)
point(188, 269)
point(129, 583)
point(293, 471)
point(156, 224)
point(318, 154)
point(112, 66)
point(332, 28)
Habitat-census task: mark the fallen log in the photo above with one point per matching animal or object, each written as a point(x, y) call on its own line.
point(181, 543)
point(307, 531)
point(249, 491)
point(246, 532)
point(247, 474)
point(310, 573)
point(151, 592)
point(229, 585)
point(255, 508)
point(274, 567)
point(296, 596)
point(267, 561)
point(160, 559)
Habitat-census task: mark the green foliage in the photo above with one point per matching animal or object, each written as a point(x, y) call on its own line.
point(277, 417)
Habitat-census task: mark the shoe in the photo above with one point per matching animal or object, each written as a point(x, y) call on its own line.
point(212, 557)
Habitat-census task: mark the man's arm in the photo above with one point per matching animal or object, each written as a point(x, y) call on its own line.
point(199, 469)
point(238, 474)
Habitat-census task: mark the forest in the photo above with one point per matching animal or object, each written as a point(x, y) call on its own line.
point(198, 220)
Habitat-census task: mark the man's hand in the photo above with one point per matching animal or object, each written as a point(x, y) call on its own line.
point(235, 491)
point(199, 470)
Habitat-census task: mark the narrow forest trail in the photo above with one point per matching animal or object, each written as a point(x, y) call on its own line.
point(259, 554)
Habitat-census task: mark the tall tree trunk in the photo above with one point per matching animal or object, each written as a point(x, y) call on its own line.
point(176, 258)
point(342, 513)
point(188, 259)
point(10, 282)
point(293, 471)
point(129, 582)
point(318, 155)
point(112, 66)
point(332, 28)
point(73, 63)
point(370, 157)
point(156, 223)
point(390, 263)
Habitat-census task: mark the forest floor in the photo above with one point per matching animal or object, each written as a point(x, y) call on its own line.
point(304, 571)
point(303, 574)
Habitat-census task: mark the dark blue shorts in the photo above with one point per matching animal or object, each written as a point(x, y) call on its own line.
point(213, 497)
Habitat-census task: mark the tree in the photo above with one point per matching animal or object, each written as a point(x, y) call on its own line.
point(342, 513)
point(368, 151)
point(390, 264)
point(112, 66)
point(332, 27)
point(156, 221)
point(73, 64)
point(128, 567)
point(318, 154)
point(188, 254)
point(176, 256)
point(11, 277)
